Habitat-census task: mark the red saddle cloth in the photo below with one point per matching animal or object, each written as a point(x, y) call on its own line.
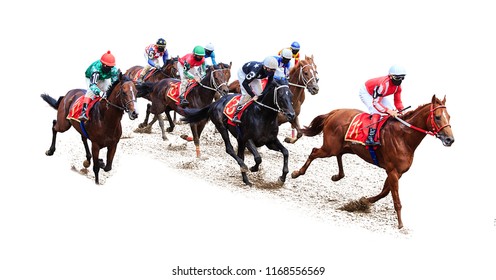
point(358, 130)
point(138, 74)
point(173, 90)
point(231, 106)
point(75, 110)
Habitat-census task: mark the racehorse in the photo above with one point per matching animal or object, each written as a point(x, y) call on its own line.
point(104, 125)
point(259, 125)
point(399, 140)
point(302, 76)
point(169, 70)
point(198, 95)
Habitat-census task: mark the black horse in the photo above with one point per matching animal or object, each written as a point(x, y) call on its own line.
point(259, 125)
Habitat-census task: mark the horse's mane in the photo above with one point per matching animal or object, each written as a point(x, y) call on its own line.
point(123, 78)
point(411, 113)
point(223, 65)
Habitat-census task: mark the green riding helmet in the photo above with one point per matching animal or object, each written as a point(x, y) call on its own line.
point(199, 50)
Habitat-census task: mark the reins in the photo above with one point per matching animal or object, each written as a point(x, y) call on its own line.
point(123, 108)
point(213, 82)
point(275, 100)
point(435, 127)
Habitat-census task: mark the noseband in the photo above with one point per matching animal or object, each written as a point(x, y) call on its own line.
point(302, 77)
point(275, 100)
point(124, 105)
point(213, 82)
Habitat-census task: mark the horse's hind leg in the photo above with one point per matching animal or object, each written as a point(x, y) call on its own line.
point(87, 162)
point(340, 174)
point(316, 153)
point(241, 156)
point(171, 122)
point(162, 126)
point(51, 150)
point(256, 156)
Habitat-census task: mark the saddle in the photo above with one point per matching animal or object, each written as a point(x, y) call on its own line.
point(231, 106)
point(358, 129)
point(173, 90)
point(76, 108)
point(148, 75)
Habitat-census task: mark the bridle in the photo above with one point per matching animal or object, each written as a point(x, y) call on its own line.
point(124, 105)
point(213, 82)
point(435, 128)
point(302, 77)
point(279, 110)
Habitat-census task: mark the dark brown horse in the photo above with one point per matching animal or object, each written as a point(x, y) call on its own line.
point(302, 76)
point(399, 140)
point(169, 70)
point(200, 95)
point(104, 126)
point(259, 125)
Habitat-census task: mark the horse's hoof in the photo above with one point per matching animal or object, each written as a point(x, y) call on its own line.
point(86, 163)
point(295, 174)
point(141, 125)
point(101, 164)
point(169, 129)
point(49, 153)
point(244, 169)
point(280, 181)
point(254, 168)
point(187, 138)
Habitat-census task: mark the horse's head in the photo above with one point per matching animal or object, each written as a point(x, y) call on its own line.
point(278, 97)
point(227, 69)
point(123, 96)
point(439, 121)
point(306, 75)
point(170, 68)
point(216, 79)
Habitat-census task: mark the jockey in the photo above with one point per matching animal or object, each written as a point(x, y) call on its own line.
point(283, 61)
point(250, 76)
point(152, 54)
point(188, 67)
point(99, 76)
point(209, 53)
point(295, 49)
point(372, 94)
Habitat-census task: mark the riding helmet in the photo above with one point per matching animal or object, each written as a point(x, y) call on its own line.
point(397, 70)
point(287, 54)
point(295, 45)
point(108, 59)
point(199, 50)
point(209, 47)
point(161, 42)
point(271, 62)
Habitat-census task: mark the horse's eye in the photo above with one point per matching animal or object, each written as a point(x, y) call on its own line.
point(438, 118)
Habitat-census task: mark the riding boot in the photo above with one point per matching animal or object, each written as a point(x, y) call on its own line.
point(371, 138)
point(141, 76)
point(84, 117)
point(182, 101)
point(235, 119)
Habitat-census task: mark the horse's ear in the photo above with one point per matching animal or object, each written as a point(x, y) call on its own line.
point(230, 64)
point(120, 75)
point(444, 100)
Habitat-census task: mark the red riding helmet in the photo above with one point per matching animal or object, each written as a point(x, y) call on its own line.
point(108, 59)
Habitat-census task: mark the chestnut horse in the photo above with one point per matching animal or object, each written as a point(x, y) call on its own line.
point(201, 94)
point(302, 76)
point(259, 125)
point(399, 140)
point(169, 70)
point(104, 125)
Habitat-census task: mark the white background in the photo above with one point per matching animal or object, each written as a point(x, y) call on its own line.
point(55, 224)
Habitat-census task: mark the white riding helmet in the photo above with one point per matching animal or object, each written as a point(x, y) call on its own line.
point(271, 62)
point(287, 54)
point(397, 70)
point(209, 47)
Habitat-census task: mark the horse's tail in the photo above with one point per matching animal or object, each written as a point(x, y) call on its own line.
point(51, 101)
point(316, 126)
point(193, 115)
point(144, 88)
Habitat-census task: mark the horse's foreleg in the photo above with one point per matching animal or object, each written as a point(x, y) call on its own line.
point(196, 130)
point(277, 146)
point(316, 153)
point(147, 116)
point(51, 150)
point(256, 156)
point(295, 125)
point(241, 156)
point(95, 149)
point(110, 157)
point(340, 174)
point(391, 184)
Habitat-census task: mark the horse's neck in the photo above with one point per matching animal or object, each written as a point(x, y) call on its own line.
point(109, 114)
point(418, 119)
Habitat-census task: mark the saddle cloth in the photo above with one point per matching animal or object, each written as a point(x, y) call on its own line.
point(230, 109)
point(358, 129)
point(173, 90)
point(138, 74)
point(75, 110)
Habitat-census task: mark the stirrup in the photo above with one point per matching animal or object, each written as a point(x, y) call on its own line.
point(83, 117)
point(236, 120)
